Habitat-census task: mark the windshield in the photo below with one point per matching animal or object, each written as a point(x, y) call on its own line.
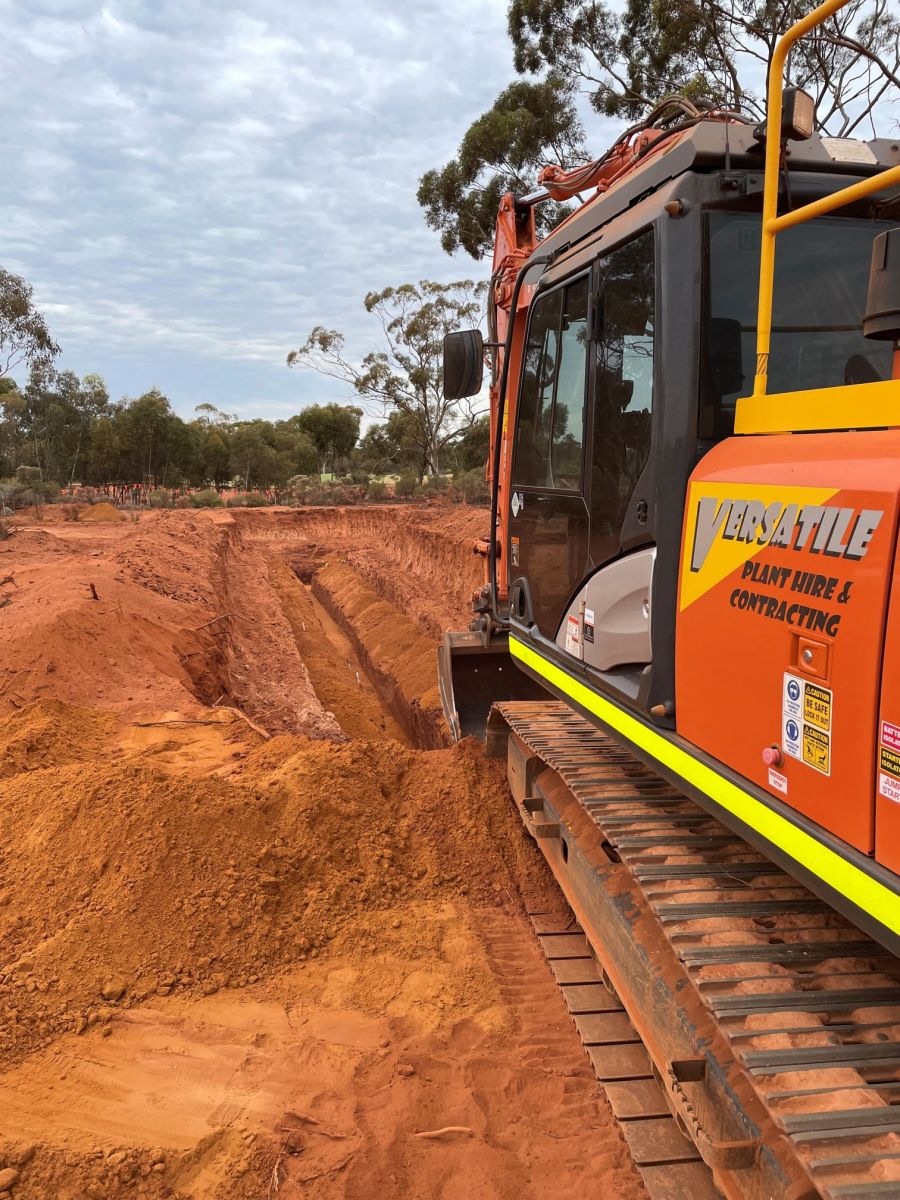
point(821, 281)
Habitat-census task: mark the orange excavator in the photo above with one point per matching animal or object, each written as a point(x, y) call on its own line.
point(693, 589)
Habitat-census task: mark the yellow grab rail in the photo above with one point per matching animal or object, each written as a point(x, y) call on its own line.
point(772, 224)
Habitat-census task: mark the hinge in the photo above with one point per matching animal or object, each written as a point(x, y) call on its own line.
point(595, 316)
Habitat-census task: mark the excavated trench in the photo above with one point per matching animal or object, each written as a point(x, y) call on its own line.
point(337, 671)
point(366, 596)
point(258, 927)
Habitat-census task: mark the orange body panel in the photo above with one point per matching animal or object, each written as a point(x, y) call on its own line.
point(788, 550)
point(887, 766)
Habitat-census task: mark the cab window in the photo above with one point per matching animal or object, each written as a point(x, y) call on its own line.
point(550, 436)
point(623, 388)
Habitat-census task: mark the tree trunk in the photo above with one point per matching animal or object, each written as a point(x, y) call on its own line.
point(75, 459)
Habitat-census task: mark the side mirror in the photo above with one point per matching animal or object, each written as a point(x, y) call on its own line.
point(882, 319)
point(463, 364)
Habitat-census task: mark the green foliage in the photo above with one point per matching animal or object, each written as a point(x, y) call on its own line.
point(376, 490)
point(333, 430)
point(406, 486)
point(24, 336)
point(434, 485)
point(405, 376)
point(625, 58)
point(159, 498)
point(66, 428)
point(208, 498)
point(529, 123)
point(247, 500)
point(472, 485)
point(471, 448)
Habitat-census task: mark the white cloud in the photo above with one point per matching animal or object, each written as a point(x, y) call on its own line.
point(191, 186)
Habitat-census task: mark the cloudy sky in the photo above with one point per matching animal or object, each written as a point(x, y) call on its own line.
point(191, 185)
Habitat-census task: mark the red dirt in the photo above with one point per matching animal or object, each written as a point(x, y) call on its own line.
point(235, 965)
point(419, 558)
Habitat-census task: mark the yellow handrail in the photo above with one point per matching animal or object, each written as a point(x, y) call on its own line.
point(773, 224)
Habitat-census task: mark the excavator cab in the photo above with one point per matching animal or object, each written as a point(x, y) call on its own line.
point(628, 351)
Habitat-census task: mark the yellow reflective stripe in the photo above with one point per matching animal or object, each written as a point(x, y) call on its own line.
point(858, 887)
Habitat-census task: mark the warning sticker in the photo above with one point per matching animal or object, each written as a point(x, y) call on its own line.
point(778, 781)
point(890, 735)
point(889, 787)
point(588, 624)
point(889, 761)
point(792, 700)
point(514, 551)
point(806, 716)
point(817, 706)
point(790, 738)
point(817, 749)
point(573, 636)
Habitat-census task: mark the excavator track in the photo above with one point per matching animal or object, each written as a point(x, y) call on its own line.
point(748, 1036)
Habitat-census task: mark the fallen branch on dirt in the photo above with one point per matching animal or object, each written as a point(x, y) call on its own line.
point(275, 1178)
point(174, 721)
point(11, 681)
point(94, 595)
point(221, 617)
point(8, 579)
point(243, 716)
point(302, 1117)
point(445, 1132)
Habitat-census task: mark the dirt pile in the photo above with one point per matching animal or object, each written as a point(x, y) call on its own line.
point(129, 882)
point(172, 613)
point(102, 514)
point(52, 734)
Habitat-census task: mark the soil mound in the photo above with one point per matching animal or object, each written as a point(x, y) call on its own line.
point(130, 882)
point(50, 734)
point(103, 513)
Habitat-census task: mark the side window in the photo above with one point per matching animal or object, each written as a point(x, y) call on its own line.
point(623, 388)
point(550, 432)
point(568, 410)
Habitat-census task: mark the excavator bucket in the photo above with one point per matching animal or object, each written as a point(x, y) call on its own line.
point(472, 675)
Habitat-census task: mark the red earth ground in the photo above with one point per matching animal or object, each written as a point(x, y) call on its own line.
point(261, 928)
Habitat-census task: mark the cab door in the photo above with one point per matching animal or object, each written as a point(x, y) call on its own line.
point(549, 520)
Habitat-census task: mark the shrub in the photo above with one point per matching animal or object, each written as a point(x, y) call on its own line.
point(376, 490)
point(71, 512)
point(247, 500)
point(6, 530)
point(160, 498)
point(208, 498)
point(473, 486)
point(183, 502)
point(406, 486)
